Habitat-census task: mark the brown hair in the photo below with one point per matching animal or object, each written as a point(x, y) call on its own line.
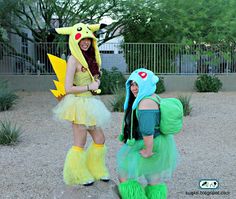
point(89, 56)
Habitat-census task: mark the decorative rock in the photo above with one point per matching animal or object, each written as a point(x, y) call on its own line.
point(99, 190)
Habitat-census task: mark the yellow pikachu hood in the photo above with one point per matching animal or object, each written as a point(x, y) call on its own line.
point(76, 34)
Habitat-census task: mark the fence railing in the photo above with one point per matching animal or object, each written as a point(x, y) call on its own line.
point(161, 58)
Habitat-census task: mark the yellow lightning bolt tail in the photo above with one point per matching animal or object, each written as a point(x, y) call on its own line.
point(59, 67)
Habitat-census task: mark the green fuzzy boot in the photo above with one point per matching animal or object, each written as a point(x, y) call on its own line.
point(158, 191)
point(131, 189)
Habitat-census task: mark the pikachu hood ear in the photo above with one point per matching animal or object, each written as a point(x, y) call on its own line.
point(64, 31)
point(76, 34)
point(96, 27)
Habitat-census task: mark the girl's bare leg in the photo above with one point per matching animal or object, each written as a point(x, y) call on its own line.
point(79, 134)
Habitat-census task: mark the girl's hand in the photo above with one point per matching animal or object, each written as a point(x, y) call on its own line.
point(98, 81)
point(145, 153)
point(94, 86)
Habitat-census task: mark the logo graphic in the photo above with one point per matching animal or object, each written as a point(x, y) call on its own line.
point(208, 184)
point(143, 75)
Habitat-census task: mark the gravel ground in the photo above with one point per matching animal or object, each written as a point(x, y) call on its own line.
point(33, 167)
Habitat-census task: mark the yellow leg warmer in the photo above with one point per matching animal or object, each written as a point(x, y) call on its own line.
point(96, 161)
point(75, 168)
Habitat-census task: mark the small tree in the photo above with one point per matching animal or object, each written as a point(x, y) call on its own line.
point(185, 100)
point(9, 133)
point(7, 97)
point(160, 86)
point(208, 83)
point(119, 98)
point(110, 80)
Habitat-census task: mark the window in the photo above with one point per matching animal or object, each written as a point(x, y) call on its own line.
point(1, 51)
point(24, 43)
point(107, 51)
point(102, 36)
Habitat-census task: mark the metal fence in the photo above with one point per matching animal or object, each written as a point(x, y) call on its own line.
point(161, 58)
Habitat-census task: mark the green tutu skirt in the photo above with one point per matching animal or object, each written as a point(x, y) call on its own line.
point(161, 165)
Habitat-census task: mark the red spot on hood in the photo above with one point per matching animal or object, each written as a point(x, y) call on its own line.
point(77, 36)
point(143, 75)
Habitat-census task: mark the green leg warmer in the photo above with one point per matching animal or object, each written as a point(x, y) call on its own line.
point(158, 191)
point(131, 189)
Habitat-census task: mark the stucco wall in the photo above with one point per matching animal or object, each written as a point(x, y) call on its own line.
point(172, 82)
point(30, 82)
point(186, 82)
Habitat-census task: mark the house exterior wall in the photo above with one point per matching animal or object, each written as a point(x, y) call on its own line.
point(176, 83)
point(10, 64)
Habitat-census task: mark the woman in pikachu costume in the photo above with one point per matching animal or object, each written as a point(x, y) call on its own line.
point(146, 152)
point(78, 81)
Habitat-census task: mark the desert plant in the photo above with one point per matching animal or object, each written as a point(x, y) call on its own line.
point(9, 133)
point(160, 86)
point(185, 100)
point(208, 83)
point(110, 80)
point(119, 98)
point(7, 97)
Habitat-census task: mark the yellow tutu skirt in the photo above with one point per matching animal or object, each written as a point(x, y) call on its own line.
point(88, 111)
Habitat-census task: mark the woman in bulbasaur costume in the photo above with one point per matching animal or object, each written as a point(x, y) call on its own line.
point(78, 80)
point(146, 152)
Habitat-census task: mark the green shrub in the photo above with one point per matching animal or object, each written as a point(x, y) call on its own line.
point(160, 86)
point(185, 100)
point(9, 133)
point(119, 98)
point(110, 80)
point(7, 97)
point(208, 83)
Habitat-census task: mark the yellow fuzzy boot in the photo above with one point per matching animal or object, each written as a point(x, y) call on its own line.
point(75, 168)
point(96, 161)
